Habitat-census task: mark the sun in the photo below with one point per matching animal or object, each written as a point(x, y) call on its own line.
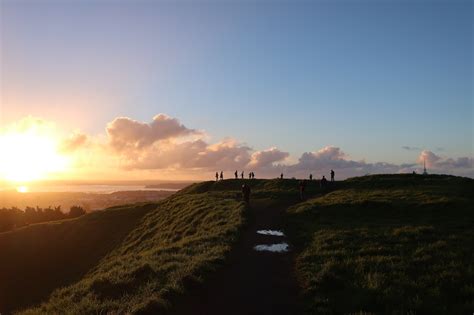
point(29, 155)
point(22, 189)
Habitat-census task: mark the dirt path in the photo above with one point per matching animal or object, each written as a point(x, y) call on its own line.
point(252, 282)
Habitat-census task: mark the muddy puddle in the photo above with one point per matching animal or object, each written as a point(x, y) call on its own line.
point(274, 248)
point(271, 232)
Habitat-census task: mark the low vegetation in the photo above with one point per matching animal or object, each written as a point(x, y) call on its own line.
point(385, 244)
point(11, 218)
point(174, 246)
point(388, 244)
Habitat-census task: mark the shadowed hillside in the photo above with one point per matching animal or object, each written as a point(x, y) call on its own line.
point(388, 243)
point(39, 258)
point(380, 244)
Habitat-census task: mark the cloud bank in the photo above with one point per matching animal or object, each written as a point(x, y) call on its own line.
point(161, 145)
point(166, 146)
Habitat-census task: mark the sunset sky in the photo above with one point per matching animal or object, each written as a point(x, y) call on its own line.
point(181, 89)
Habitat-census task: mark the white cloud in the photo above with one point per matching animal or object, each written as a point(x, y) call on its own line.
point(267, 158)
point(128, 134)
point(75, 141)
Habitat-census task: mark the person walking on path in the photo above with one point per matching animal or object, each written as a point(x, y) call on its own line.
point(242, 175)
point(222, 175)
point(302, 188)
point(246, 193)
point(217, 176)
point(332, 175)
point(310, 176)
point(281, 176)
point(250, 175)
point(236, 174)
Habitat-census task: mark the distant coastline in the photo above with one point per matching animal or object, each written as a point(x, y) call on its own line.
point(89, 201)
point(168, 185)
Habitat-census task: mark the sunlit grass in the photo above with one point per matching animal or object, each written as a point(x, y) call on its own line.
point(177, 244)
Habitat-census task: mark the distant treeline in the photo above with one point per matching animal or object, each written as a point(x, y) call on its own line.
point(11, 218)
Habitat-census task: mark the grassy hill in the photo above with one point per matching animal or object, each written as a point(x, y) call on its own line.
point(39, 258)
point(127, 259)
point(388, 244)
point(374, 244)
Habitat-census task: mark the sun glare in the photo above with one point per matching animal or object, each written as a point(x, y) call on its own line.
point(28, 156)
point(22, 189)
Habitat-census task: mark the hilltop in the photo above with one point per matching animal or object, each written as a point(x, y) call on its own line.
point(381, 244)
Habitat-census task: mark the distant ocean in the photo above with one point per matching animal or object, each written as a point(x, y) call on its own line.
point(86, 188)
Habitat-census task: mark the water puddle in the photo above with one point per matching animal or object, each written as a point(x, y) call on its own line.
point(271, 232)
point(274, 248)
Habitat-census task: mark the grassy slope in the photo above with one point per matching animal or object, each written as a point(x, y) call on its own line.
point(176, 243)
point(39, 258)
point(377, 244)
point(386, 244)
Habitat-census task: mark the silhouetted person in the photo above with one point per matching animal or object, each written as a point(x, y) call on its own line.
point(222, 175)
point(332, 175)
point(302, 188)
point(236, 175)
point(217, 176)
point(281, 176)
point(310, 176)
point(246, 193)
point(253, 175)
point(250, 175)
point(242, 175)
point(324, 182)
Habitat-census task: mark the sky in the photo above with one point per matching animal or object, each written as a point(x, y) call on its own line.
point(293, 86)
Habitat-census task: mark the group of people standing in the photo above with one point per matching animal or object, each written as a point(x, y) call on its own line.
point(252, 176)
point(302, 184)
point(323, 180)
point(323, 183)
point(236, 175)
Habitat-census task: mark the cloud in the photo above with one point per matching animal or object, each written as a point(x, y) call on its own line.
point(152, 147)
point(29, 124)
point(409, 148)
point(165, 146)
point(428, 157)
point(74, 142)
point(331, 157)
point(128, 134)
point(328, 155)
point(267, 158)
point(437, 163)
point(197, 154)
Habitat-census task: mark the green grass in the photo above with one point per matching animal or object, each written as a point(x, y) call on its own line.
point(280, 190)
point(392, 244)
point(174, 245)
point(384, 244)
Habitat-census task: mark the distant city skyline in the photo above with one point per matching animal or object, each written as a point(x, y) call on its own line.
point(161, 89)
